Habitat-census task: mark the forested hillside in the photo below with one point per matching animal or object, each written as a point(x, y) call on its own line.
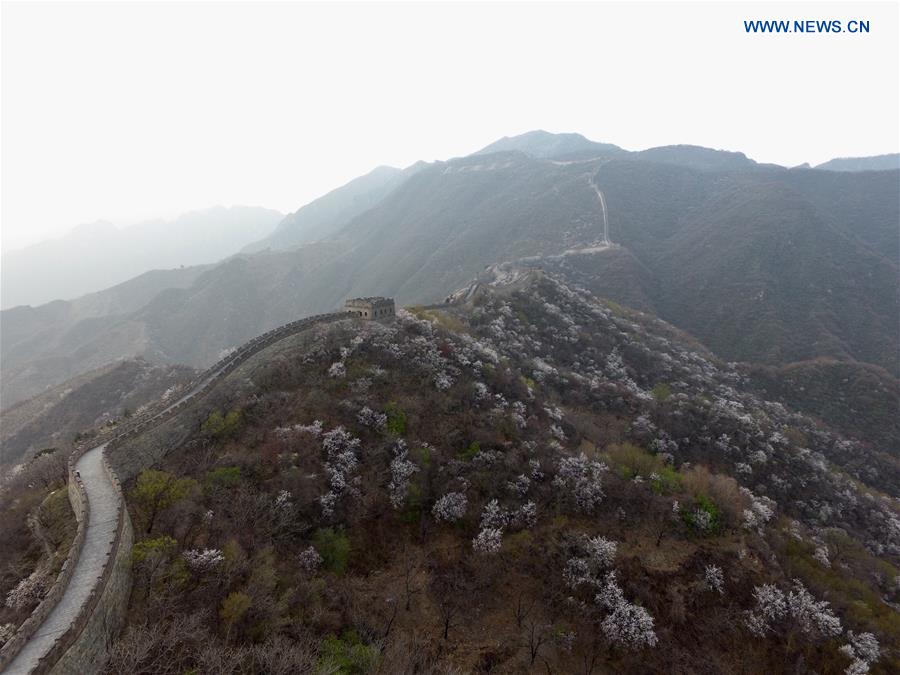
point(531, 480)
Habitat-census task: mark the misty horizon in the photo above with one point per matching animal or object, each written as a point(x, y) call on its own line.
point(123, 223)
point(295, 111)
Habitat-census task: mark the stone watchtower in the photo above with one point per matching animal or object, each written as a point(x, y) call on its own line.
point(370, 308)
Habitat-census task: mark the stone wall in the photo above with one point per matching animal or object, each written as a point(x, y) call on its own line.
point(79, 502)
point(83, 648)
point(103, 616)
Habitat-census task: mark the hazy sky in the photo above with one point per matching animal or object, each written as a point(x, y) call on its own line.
point(128, 111)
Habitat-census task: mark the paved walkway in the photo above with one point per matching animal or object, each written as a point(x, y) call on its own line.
point(101, 530)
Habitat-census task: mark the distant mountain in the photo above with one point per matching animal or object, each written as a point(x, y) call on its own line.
point(322, 218)
point(876, 163)
point(98, 255)
point(177, 316)
point(763, 264)
point(90, 400)
point(546, 145)
point(696, 157)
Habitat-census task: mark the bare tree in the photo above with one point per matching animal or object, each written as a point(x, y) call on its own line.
point(523, 609)
point(537, 634)
point(409, 569)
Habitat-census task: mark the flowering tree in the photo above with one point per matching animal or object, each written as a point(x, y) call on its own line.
point(309, 559)
point(714, 579)
point(597, 555)
point(203, 561)
point(770, 607)
point(29, 590)
point(626, 624)
point(580, 478)
point(450, 508)
point(488, 541)
point(863, 649)
point(494, 516)
point(369, 418)
point(341, 463)
point(811, 616)
point(402, 469)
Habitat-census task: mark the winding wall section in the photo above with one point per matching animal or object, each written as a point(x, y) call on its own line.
point(85, 607)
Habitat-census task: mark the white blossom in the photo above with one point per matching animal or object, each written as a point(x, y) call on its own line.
point(761, 511)
point(581, 478)
point(443, 381)
point(369, 418)
point(714, 579)
point(813, 616)
point(203, 561)
point(402, 470)
point(309, 559)
point(821, 556)
point(451, 507)
point(770, 607)
point(27, 591)
point(596, 555)
point(627, 624)
point(488, 541)
point(519, 485)
point(494, 516)
point(526, 515)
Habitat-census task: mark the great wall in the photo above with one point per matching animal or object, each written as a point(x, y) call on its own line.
point(85, 607)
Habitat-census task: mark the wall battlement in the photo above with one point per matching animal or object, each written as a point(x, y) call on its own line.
point(370, 308)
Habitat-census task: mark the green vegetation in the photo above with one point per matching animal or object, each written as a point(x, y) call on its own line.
point(151, 549)
point(661, 392)
point(396, 419)
point(334, 547)
point(470, 452)
point(222, 478)
point(234, 607)
point(704, 518)
point(221, 427)
point(860, 602)
point(156, 491)
point(347, 654)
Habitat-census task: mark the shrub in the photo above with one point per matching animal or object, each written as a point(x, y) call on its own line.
point(219, 427)
point(234, 607)
point(158, 490)
point(396, 419)
point(334, 547)
point(722, 490)
point(661, 392)
point(222, 478)
point(346, 654)
point(469, 453)
point(632, 460)
point(704, 518)
point(665, 481)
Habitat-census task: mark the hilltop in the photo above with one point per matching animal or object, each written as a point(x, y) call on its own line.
point(528, 479)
